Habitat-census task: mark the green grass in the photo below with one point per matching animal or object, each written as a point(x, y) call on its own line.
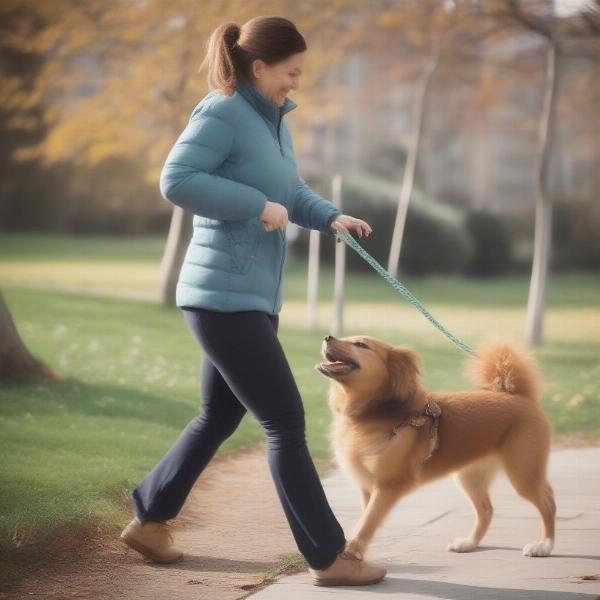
point(49, 247)
point(129, 266)
point(69, 449)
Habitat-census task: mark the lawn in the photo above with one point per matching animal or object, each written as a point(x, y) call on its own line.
point(132, 367)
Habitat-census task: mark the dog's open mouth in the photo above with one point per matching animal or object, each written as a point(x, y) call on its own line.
point(336, 364)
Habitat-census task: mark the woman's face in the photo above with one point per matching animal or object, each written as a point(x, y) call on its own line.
point(275, 81)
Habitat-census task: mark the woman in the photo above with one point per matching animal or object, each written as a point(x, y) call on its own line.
point(233, 167)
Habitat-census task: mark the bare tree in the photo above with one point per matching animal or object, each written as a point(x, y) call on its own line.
point(408, 175)
point(180, 228)
point(443, 28)
point(180, 232)
point(547, 24)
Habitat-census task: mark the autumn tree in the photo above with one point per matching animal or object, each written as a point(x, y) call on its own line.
point(120, 79)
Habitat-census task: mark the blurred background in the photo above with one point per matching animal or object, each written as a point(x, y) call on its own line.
point(479, 119)
point(95, 93)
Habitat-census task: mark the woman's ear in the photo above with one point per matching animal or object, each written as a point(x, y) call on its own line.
point(258, 66)
point(404, 367)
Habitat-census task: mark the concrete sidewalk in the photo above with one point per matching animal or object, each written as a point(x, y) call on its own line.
point(412, 542)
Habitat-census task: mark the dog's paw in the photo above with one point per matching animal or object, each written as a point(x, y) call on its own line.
point(543, 548)
point(354, 549)
point(462, 545)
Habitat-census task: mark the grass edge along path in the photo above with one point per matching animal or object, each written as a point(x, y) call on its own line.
point(132, 385)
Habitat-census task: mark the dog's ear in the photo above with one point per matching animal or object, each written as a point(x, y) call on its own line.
point(404, 367)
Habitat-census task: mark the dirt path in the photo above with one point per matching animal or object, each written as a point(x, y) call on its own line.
point(232, 528)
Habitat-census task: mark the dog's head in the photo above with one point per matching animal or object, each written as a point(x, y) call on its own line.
point(366, 369)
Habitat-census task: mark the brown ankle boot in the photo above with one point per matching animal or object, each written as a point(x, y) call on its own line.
point(153, 540)
point(348, 570)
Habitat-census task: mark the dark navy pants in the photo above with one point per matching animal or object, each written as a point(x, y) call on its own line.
point(244, 368)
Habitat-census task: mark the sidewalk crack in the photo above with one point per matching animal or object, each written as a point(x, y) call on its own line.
point(436, 518)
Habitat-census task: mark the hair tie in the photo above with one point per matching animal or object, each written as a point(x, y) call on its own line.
point(233, 36)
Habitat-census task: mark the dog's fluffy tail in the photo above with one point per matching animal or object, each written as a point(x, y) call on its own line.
point(505, 366)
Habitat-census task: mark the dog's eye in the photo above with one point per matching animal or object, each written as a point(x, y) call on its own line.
point(360, 344)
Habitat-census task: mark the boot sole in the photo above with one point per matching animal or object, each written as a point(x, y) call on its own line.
point(148, 552)
point(333, 582)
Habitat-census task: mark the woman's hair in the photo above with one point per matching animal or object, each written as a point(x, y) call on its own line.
point(231, 49)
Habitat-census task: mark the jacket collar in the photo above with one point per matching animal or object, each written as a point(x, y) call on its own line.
point(262, 104)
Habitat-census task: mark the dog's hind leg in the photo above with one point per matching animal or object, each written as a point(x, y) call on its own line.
point(541, 495)
point(527, 473)
point(543, 499)
point(475, 481)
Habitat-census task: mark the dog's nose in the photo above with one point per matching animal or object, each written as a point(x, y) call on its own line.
point(328, 337)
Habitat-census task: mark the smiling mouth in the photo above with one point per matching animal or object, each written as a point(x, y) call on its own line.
point(336, 365)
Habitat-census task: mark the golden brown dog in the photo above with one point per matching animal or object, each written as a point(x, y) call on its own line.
point(391, 435)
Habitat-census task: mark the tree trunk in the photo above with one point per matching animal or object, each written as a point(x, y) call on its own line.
point(408, 176)
point(16, 362)
point(180, 232)
point(543, 209)
point(180, 229)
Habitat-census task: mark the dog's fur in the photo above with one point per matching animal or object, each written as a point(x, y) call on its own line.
point(376, 386)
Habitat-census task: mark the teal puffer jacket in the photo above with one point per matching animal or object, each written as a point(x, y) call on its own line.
point(234, 154)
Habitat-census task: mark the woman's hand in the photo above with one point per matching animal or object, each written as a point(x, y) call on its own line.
point(348, 223)
point(274, 216)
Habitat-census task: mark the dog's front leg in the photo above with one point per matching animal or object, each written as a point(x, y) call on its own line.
point(365, 496)
point(381, 501)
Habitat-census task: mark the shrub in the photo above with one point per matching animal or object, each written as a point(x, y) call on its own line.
point(575, 239)
point(493, 244)
point(436, 239)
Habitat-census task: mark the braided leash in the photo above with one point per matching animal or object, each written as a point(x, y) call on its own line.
point(401, 288)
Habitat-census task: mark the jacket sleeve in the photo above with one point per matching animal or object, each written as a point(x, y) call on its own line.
point(311, 210)
point(187, 179)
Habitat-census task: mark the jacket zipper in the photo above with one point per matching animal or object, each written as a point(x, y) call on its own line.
point(279, 230)
point(279, 134)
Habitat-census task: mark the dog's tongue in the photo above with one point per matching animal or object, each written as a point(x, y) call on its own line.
point(336, 364)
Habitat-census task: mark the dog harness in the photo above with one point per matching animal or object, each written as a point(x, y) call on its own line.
point(432, 411)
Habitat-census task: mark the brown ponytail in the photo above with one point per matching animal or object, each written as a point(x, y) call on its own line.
point(231, 49)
